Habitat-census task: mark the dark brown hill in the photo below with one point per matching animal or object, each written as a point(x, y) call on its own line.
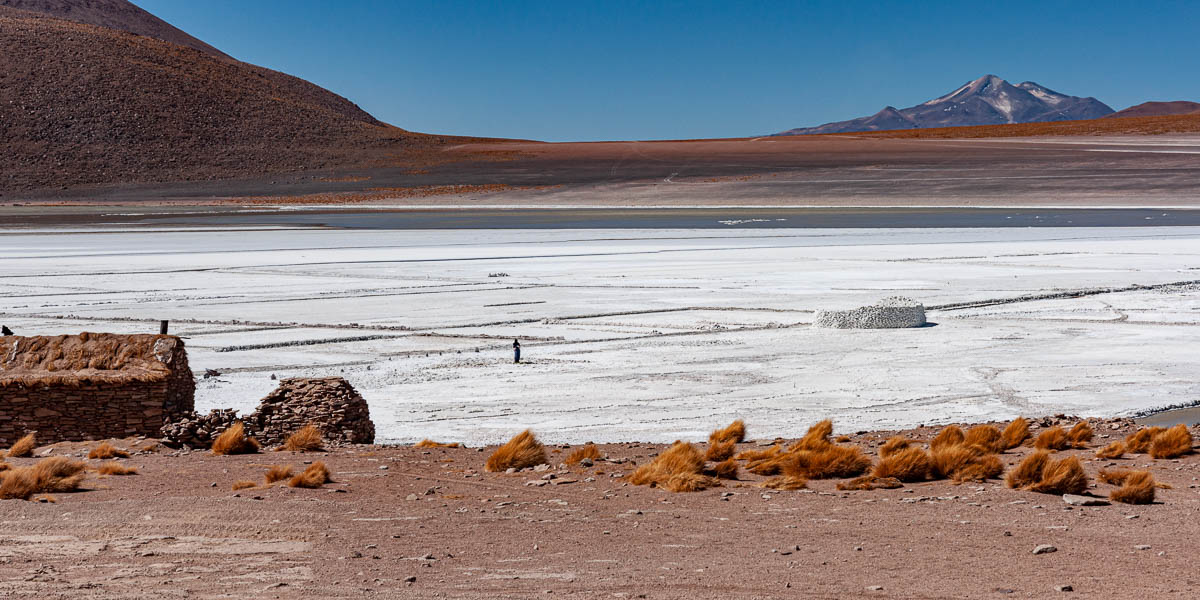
point(1158, 109)
point(85, 105)
point(114, 14)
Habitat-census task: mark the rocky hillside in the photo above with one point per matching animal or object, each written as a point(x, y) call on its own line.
point(988, 100)
point(84, 105)
point(113, 14)
point(1158, 109)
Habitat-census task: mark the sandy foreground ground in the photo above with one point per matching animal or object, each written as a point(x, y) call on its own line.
point(644, 335)
point(403, 522)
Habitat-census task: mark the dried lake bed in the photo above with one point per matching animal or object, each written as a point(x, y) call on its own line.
point(640, 334)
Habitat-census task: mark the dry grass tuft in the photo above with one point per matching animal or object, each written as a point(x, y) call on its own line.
point(1029, 471)
point(832, 462)
point(907, 465)
point(726, 469)
point(1113, 476)
point(753, 455)
point(1139, 441)
point(690, 482)
point(433, 444)
point(1172, 443)
point(588, 451)
point(1113, 450)
point(735, 432)
point(107, 450)
point(870, 482)
point(234, 441)
point(817, 437)
point(305, 439)
point(1080, 434)
point(985, 437)
point(277, 473)
point(947, 437)
point(24, 446)
point(893, 445)
point(1015, 434)
point(719, 451)
point(1052, 439)
point(18, 484)
point(315, 476)
point(1063, 476)
point(764, 462)
point(243, 484)
point(1138, 488)
point(981, 469)
point(680, 458)
point(784, 482)
point(116, 468)
point(5, 466)
point(521, 452)
point(55, 474)
point(948, 460)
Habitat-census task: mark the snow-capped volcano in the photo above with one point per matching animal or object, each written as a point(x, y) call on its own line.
point(988, 100)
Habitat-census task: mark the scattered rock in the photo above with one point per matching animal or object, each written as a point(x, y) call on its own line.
point(1064, 588)
point(1076, 500)
point(1044, 549)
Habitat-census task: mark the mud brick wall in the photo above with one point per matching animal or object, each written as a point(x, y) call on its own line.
point(71, 406)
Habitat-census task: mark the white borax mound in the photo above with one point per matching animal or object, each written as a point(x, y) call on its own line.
point(890, 313)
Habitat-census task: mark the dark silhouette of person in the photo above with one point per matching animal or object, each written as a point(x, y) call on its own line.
point(4, 330)
point(516, 351)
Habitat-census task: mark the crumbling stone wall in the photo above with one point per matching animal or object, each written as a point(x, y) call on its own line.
point(330, 403)
point(890, 313)
point(75, 406)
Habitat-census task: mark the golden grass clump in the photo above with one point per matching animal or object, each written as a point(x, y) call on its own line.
point(1113, 476)
point(1080, 434)
point(947, 460)
point(985, 437)
point(18, 484)
point(277, 473)
point(1014, 434)
point(588, 451)
point(1137, 488)
point(116, 468)
point(24, 446)
point(893, 445)
point(832, 462)
point(5, 466)
point(680, 458)
point(522, 451)
point(947, 437)
point(1172, 443)
point(764, 462)
point(1113, 450)
point(735, 432)
point(1139, 441)
point(690, 482)
point(305, 439)
point(817, 437)
point(234, 441)
point(907, 465)
point(315, 476)
point(720, 450)
point(726, 469)
point(785, 482)
point(982, 468)
point(432, 444)
point(55, 474)
point(1064, 476)
point(107, 450)
point(243, 484)
point(1052, 439)
point(1028, 471)
point(870, 482)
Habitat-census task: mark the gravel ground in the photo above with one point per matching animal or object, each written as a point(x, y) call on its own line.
point(405, 522)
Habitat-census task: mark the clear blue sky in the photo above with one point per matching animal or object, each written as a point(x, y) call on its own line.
point(581, 70)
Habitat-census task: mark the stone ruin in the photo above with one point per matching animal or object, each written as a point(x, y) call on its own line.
point(330, 403)
point(91, 386)
point(890, 313)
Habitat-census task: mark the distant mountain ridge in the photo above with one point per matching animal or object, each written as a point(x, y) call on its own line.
point(988, 100)
point(1156, 109)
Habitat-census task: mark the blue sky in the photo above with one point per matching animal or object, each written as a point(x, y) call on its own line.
point(579, 70)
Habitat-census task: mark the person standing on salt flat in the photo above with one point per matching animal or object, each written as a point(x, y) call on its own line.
point(516, 352)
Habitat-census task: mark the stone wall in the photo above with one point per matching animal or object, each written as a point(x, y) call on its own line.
point(889, 313)
point(95, 404)
point(330, 403)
